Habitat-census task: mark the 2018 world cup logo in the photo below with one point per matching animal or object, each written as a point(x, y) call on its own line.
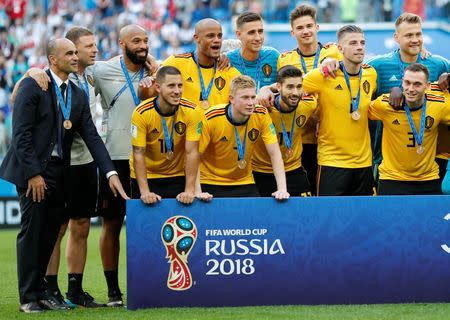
point(178, 235)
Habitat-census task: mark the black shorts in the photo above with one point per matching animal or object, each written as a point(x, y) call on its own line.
point(109, 206)
point(82, 190)
point(334, 181)
point(394, 187)
point(296, 180)
point(309, 163)
point(242, 191)
point(164, 187)
point(442, 163)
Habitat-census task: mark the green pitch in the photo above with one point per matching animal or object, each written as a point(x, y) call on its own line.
point(95, 284)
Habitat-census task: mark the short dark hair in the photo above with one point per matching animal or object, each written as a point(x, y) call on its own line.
point(302, 11)
point(50, 47)
point(350, 28)
point(288, 72)
point(75, 33)
point(166, 70)
point(418, 67)
point(247, 16)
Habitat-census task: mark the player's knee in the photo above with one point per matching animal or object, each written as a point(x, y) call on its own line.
point(79, 228)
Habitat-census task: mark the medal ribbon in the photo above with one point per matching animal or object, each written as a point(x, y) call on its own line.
point(240, 147)
point(128, 84)
point(355, 101)
point(258, 68)
point(205, 92)
point(417, 136)
point(168, 140)
point(84, 86)
point(65, 108)
point(287, 139)
point(316, 60)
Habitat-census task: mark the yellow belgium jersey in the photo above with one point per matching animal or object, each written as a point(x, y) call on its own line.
point(219, 164)
point(147, 131)
point(401, 160)
point(293, 58)
point(443, 143)
point(342, 141)
point(191, 81)
point(296, 119)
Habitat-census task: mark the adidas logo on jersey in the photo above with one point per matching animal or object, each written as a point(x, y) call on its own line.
point(338, 87)
point(189, 79)
point(224, 139)
point(393, 78)
point(396, 122)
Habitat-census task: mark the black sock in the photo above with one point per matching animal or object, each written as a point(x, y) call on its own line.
point(112, 280)
point(52, 283)
point(75, 284)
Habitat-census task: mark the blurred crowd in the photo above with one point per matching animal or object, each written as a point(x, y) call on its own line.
point(26, 25)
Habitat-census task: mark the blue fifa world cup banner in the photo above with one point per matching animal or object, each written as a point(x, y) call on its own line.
point(257, 251)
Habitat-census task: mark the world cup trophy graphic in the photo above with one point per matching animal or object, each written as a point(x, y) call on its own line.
point(178, 235)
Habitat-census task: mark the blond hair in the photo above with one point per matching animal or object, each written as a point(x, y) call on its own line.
point(408, 18)
point(241, 82)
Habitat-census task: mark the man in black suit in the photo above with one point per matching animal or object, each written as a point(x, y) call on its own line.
point(44, 123)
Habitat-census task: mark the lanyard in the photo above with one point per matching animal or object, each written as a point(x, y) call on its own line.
point(287, 139)
point(129, 84)
point(354, 101)
point(168, 139)
point(84, 86)
point(240, 146)
point(316, 60)
point(244, 69)
point(205, 92)
point(417, 136)
point(65, 108)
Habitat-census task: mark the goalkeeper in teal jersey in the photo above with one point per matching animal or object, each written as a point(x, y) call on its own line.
point(254, 60)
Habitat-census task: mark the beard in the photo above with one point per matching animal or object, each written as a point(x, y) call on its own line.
point(288, 103)
point(135, 58)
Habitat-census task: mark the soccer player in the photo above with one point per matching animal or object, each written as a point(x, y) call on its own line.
point(290, 112)
point(410, 136)
point(252, 59)
point(203, 83)
point(229, 134)
point(344, 153)
point(117, 81)
point(307, 56)
point(165, 136)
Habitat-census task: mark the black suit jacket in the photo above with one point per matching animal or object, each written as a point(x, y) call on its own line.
point(35, 129)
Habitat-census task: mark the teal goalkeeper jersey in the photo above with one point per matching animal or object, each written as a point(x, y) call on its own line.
point(263, 70)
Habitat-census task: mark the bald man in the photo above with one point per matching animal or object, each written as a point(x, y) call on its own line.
point(117, 82)
point(203, 83)
point(44, 125)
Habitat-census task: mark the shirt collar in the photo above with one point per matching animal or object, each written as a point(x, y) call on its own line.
point(57, 79)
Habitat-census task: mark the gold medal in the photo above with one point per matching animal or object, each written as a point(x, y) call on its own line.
point(289, 153)
point(170, 155)
point(420, 149)
point(205, 104)
point(242, 164)
point(355, 115)
point(67, 124)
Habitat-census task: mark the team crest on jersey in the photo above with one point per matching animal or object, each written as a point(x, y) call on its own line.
point(90, 80)
point(267, 70)
point(180, 127)
point(253, 134)
point(429, 121)
point(366, 86)
point(300, 121)
point(220, 83)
